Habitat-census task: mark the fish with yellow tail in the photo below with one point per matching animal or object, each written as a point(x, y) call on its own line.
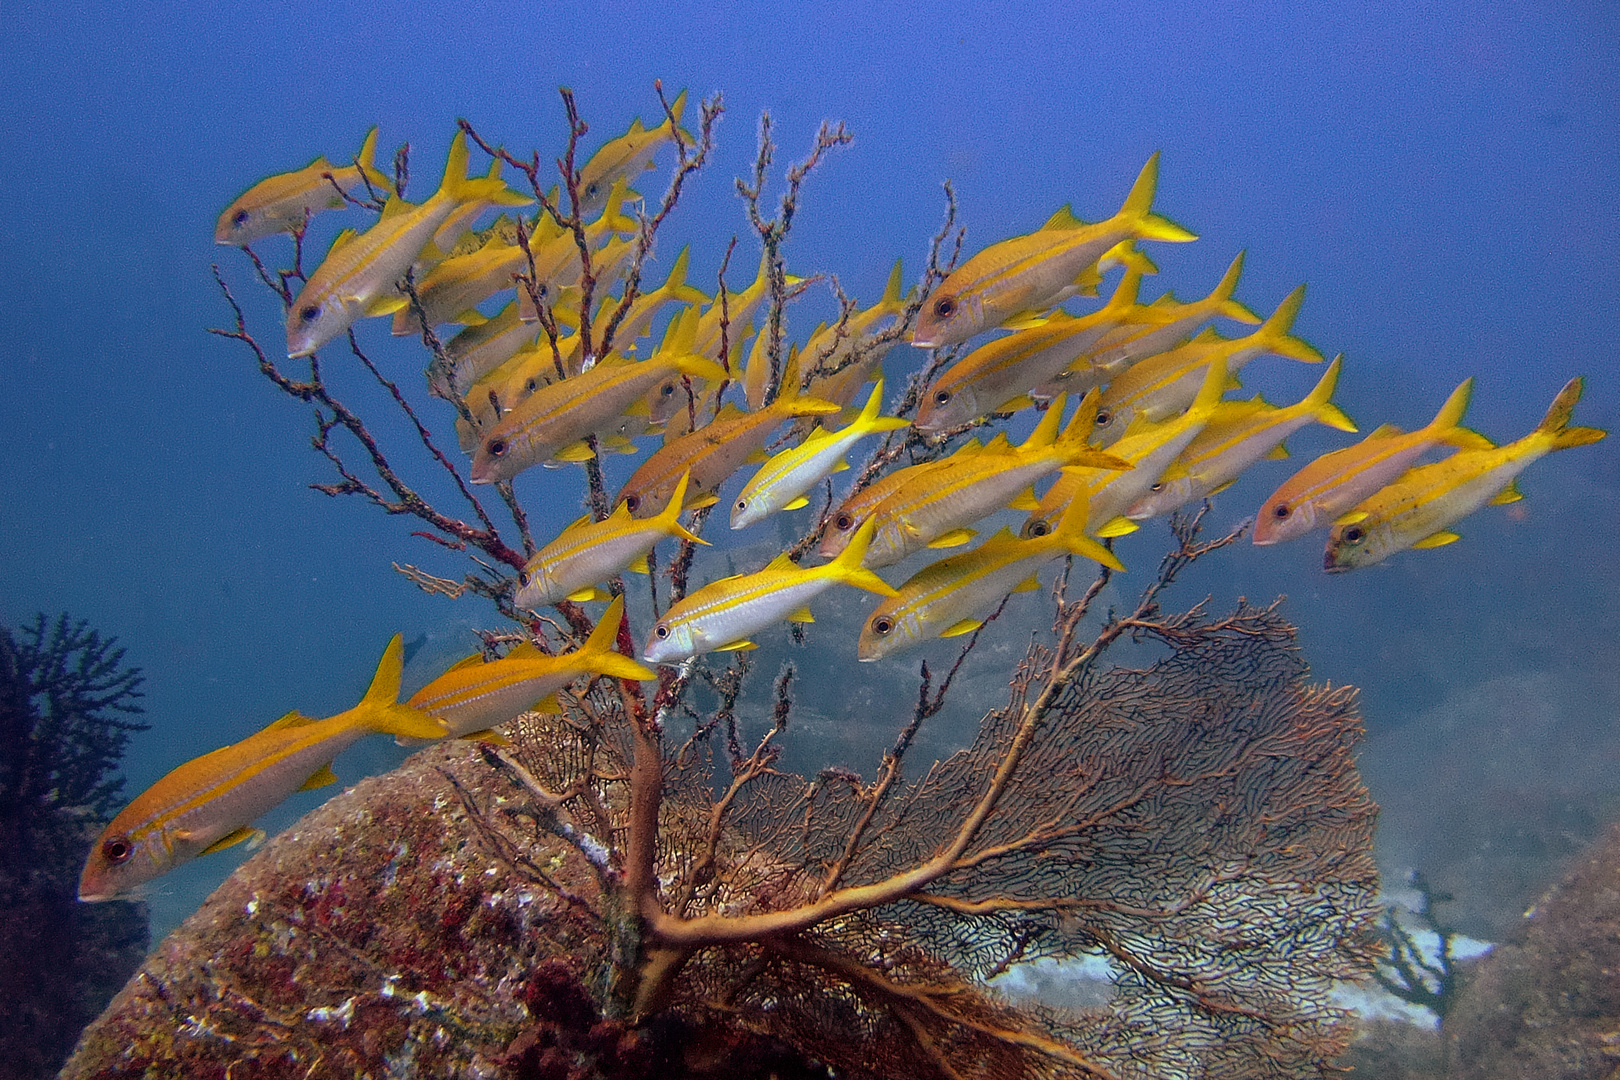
point(997, 376)
point(715, 451)
point(1031, 273)
point(588, 553)
point(283, 203)
point(553, 421)
point(1162, 386)
point(838, 366)
point(1337, 481)
point(359, 273)
point(210, 802)
point(725, 614)
point(624, 157)
point(1240, 434)
point(474, 696)
point(1149, 447)
point(1418, 510)
point(781, 482)
point(952, 596)
point(937, 510)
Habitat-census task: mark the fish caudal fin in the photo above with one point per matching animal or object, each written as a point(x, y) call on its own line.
point(1274, 335)
point(1556, 422)
point(598, 656)
point(669, 519)
point(848, 569)
point(1319, 399)
point(1071, 534)
point(1222, 296)
point(1138, 207)
point(380, 709)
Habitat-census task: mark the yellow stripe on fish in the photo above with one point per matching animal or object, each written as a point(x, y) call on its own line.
point(210, 802)
point(621, 158)
point(1418, 510)
point(284, 202)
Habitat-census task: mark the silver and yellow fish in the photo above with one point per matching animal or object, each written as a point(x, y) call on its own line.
point(284, 202)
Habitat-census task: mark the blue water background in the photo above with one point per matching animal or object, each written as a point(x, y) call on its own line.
point(1444, 177)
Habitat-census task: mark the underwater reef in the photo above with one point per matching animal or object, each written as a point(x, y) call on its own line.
point(65, 699)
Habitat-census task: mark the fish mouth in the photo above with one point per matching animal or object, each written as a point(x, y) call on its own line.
point(1330, 564)
point(925, 343)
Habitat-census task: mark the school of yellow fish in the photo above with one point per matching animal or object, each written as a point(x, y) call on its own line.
point(1152, 430)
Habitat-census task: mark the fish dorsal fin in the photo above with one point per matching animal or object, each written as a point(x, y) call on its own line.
point(1063, 219)
point(1385, 431)
point(475, 660)
point(291, 720)
point(525, 650)
point(782, 562)
point(583, 520)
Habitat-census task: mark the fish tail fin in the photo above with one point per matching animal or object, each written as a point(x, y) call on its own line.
point(613, 214)
point(701, 368)
point(1138, 207)
point(869, 420)
point(597, 655)
point(1556, 422)
point(1046, 432)
point(670, 518)
point(1126, 292)
point(891, 290)
point(1078, 431)
point(1222, 296)
point(847, 566)
point(1451, 413)
point(1128, 255)
point(790, 400)
point(381, 710)
point(675, 285)
point(1071, 534)
point(1274, 332)
point(1319, 400)
point(457, 187)
point(680, 336)
point(366, 159)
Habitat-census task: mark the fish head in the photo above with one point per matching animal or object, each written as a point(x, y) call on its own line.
point(534, 588)
point(841, 529)
point(948, 317)
point(1165, 495)
point(501, 455)
point(665, 399)
point(888, 630)
point(122, 860)
point(749, 508)
point(669, 643)
point(240, 225)
point(1111, 422)
point(1352, 545)
point(312, 321)
point(946, 406)
point(1282, 519)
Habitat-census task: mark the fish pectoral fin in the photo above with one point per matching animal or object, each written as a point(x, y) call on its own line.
point(1350, 517)
point(1509, 494)
point(1029, 584)
point(471, 317)
point(1222, 487)
point(574, 452)
point(797, 504)
point(1439, 539)
point(319, 778)
point(234, 837)
point(387, 305)
point(639, 565)
point(1279, 453)
point(488, 735)
point(1025, 320)
point(548, 703)
point(757, 457)
point(954, 538)
point(966, 626)
point(291, 720)
point(802, 615)
point(590, 592)
point(701, 501)
point(1120, 526)
point(737, 646)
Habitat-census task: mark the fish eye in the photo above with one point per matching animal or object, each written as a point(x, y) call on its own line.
point(117, 849)
point(942, 397)
point(945, 307)
point(1104, 418)
point(309, 314)
point(239, 218)
point(844, 522)
point(667, 389)
point(632, 501)
point(882, 627)
point(523, 578)
point(742, 504)
point(1354, 534)
point(1039, 528)
point(497, 447)
point(591, 190)
point(1157, 487)
point(1280, 511)
point(531, 386)
point(661, 631)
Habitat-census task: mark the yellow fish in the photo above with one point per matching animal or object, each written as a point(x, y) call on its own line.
point(1335, 482)
point(359, 274)
point(723, 615)
point(589, 552)
point(1034, 272)
point(825, 353)
point(1418, 510)
point(210, 802)
point(473, 696)
point(621, 158)
point(480, 349)
point(282, 203)
point(781, 482)
point(951, 596)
